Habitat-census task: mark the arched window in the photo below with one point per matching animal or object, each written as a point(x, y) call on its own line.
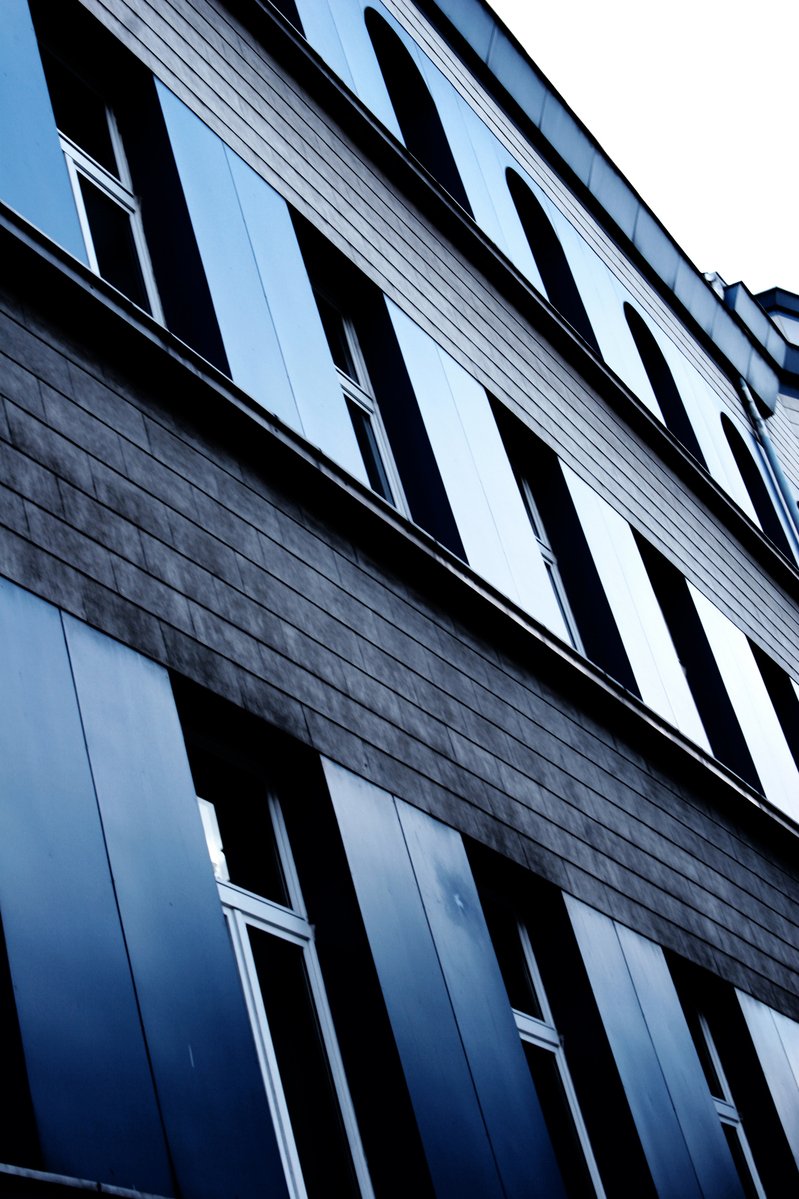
point(550, 259)
point(668, 397)
point(414, 109)
point(755, 486)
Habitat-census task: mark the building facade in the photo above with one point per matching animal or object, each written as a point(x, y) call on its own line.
point(398, 629)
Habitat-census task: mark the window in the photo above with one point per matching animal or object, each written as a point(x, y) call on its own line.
point(553, 266)
point(388, 423)
point(274, 946)
point(550, 561)
point(108, 208)
point(542, 1045)
point(660, 377)
point(699, 665)
point(127, 192)
point(717, 1032)
point(414, 109)
point(361, 404)
point(755, 485)
point(572, 574)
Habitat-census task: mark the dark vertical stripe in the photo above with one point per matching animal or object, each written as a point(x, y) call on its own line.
point(209, 1086)
point(87, 1068)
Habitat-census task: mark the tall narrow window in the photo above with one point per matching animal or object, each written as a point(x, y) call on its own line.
point(715, 1031)
point(362, 406)
point(414, 109)
point(108, 208)
point(699, 665)
point(127, 192)
point(273, 942)
point(758, 492)
point(572, 574)
point(550, 561)
point(666, 392)
point(550, 259)
point(542, 1045)
point(387, 421)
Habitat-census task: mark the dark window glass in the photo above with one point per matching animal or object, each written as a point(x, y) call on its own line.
point(18, 1137)
point(758, 492)
point(304, 1072)
point(112, 236)
point(333, 325)
point(79, 112)
point(558, 1117)
point(666, 392)
point(783, 697)
point(503, 927)
point(367, 444)
point(741, 1164)
point(414, 109)
point(553, 266)
point(245, 826)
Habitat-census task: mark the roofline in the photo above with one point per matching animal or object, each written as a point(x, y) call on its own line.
point(740, 329)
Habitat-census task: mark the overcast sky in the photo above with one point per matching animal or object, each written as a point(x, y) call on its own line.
point(695, 102)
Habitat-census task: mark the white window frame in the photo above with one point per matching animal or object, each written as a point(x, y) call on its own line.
point(242, 910)
point(118, 189)
point(550, 562)
point(544, 1035)
point(725, 1106)
point(359, 391)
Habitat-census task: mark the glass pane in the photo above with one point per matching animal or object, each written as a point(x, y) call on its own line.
point(559, 1121)
point(741, 1164)
point(241, 805)
point(503, 926)
point(304, 1072)
point(112, 237)
point(79, 112)
point(333, 325)
point(370, 452)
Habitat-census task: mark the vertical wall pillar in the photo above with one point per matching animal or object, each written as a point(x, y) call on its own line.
point(659, 1069)
point(475, 1104)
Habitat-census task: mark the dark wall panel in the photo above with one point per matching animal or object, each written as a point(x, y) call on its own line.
point(90, 1083)
point(679, 1130)
point(442, 1091)
point(508, 1100)
point(209, 1084)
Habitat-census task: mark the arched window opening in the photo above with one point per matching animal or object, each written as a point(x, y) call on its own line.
point(756, 487)
point(414, 109)
point(550, 259)
point(659, 374)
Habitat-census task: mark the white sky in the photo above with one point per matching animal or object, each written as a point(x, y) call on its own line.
point(696, 103)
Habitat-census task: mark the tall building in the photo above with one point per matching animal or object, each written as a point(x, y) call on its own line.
point(399, 670)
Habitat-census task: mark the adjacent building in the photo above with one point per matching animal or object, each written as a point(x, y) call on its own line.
point(399, 671)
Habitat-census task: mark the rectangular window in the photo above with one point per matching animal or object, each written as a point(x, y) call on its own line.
point(108, 208)
point(361, 403)
point(542, 1045)
point(274, 946)
point(550, 562)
